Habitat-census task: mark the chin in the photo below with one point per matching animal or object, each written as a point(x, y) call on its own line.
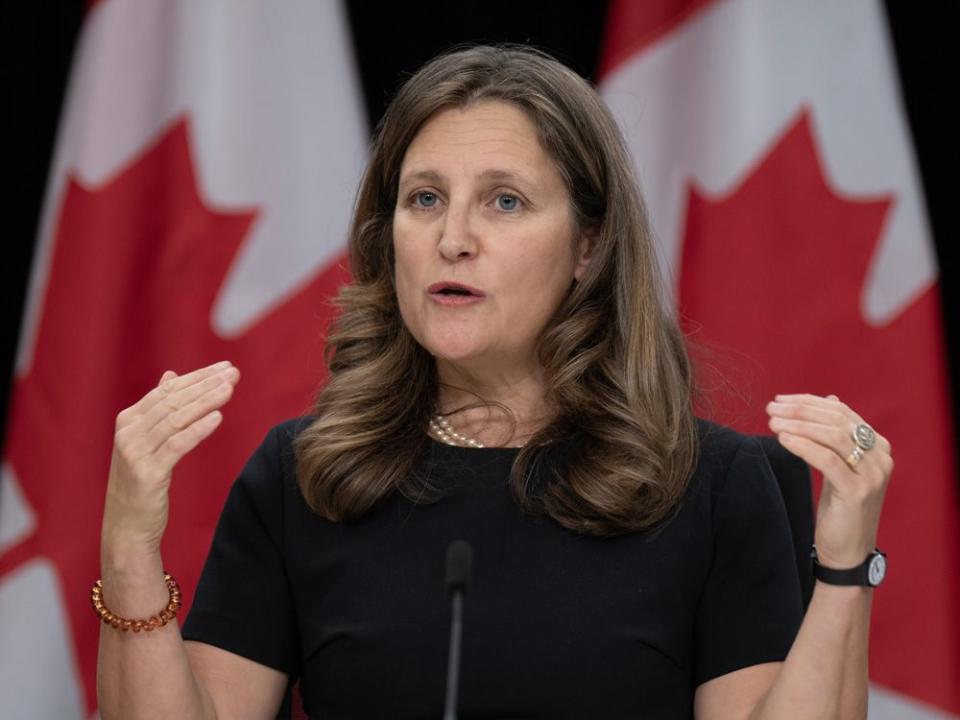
point(455, 347)
point(454, 352)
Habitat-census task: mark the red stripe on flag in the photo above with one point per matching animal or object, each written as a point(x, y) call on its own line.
point(632, 26)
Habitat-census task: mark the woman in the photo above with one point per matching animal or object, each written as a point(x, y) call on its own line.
point(504, 370)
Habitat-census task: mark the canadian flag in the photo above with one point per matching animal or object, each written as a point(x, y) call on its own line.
point(774, 153)
point(197, 210)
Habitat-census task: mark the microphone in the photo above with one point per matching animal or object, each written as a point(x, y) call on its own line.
point(459, 567)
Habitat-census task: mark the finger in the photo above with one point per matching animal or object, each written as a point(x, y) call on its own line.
point(790, 411)
point(179, 444)
point(836, 473)
point(829, 435)
point(833, 437)
point(176, 400)
point(134, 412)
point(135, 423)
point(813, 413)
point(825, 403)
point(816, 455)
point(828, 410)
point(178, 382)
point(200, 406)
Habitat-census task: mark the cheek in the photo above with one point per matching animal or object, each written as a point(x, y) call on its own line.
point(405, 260)
point(408, 263)
point(538, 288)
point(543, 274)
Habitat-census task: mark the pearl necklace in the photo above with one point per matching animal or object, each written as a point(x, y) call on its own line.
point(445, 432)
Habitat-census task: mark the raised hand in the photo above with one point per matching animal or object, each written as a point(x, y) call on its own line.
point(151, 437)
point(820, 431)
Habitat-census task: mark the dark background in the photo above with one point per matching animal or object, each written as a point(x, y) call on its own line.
point(394, 39)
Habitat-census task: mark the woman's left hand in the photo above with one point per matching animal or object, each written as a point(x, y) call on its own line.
point(820, 431)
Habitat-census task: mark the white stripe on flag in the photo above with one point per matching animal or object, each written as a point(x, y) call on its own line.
point(888, 705)
point(38, 678)
point(17, 519)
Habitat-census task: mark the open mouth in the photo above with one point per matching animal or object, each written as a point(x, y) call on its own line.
point(454, 290)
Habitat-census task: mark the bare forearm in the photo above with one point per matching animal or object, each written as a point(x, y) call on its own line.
point(145, 674)
point(825, 674)
point(148, 674)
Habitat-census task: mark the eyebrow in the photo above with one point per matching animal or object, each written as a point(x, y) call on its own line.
point(425, 175)
point(491, 174)
point(495, 174)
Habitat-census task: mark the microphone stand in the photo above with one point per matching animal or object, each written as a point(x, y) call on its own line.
point(459, 562)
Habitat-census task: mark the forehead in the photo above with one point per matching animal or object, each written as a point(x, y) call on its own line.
point(484, 136)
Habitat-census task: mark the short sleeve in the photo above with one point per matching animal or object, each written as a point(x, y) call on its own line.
point(751, 608)
point(243, 601)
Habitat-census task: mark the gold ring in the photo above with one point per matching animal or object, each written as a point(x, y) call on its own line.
point(854, 457)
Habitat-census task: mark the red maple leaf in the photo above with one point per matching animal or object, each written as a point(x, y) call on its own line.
point(772, 278)
point(136, 268)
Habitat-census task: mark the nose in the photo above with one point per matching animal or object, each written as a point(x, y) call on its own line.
point(457, 241)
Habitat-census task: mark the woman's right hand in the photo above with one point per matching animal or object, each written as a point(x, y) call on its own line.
point(151, 437)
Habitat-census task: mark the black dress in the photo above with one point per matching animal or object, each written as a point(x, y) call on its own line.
point(556, 625)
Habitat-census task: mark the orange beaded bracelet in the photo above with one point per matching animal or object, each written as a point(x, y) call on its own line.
point(157, 621)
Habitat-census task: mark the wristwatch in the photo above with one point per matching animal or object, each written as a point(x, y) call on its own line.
point(869, 573)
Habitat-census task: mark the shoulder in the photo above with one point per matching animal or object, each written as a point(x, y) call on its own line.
point(278, 445)
point(751, 484)
point(735, 469)
point(283, 434)
point(722, 447)
point(272, 465)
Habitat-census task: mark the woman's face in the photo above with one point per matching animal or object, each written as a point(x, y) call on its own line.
point(483, 233)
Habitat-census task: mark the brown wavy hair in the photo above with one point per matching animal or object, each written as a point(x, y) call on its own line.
point(615, 363)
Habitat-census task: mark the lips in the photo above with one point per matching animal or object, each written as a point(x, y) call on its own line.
point(454, 289)
point(454, 293)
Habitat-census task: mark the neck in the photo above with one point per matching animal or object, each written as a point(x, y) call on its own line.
point(495, 408)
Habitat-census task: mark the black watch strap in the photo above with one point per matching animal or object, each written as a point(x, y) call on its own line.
point(869, 573)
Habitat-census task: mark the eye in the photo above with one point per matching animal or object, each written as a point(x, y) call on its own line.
point(424, 199)
point(508, 202)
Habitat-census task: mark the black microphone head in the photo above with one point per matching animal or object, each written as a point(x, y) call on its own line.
point(459, 565)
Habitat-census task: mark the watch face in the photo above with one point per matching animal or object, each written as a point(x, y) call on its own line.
point(877, 570)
